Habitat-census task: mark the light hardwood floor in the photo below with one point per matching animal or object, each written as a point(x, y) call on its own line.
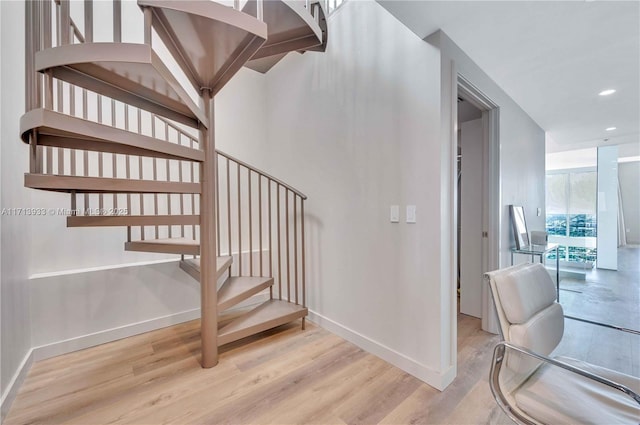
point(289, 377)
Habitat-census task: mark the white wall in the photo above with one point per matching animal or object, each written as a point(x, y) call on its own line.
point(16, 231)
point(629, 177)
point(241, 117)
point(366, 125)
point(356, 129)
point(68, 306)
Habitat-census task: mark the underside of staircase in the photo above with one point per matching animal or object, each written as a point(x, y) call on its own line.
point(111, 124)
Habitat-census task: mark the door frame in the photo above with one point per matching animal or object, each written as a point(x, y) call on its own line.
point(491, 211)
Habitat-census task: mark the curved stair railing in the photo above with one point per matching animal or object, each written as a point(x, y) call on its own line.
point(109, 124)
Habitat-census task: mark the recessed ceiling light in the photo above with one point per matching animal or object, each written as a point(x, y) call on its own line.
point(607, 92)
point(610, 128)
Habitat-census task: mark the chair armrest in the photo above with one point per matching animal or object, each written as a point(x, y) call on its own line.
point(496, 365)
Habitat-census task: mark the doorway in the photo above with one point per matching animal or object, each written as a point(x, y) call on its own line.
point(470, 208)
point(477, 200)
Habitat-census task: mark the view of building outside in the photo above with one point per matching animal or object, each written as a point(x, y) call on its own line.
point(571, 213)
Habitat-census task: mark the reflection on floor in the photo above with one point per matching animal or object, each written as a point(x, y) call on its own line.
point(611, 297)
point(607, 296)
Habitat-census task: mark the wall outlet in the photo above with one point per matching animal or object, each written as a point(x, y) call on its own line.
point(411, 213)
point(395, 214)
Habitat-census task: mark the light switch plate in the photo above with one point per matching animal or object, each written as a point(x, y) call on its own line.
point(411, 213)
point(395, 214)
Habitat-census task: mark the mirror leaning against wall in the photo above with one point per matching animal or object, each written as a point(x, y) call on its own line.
point(519, 226)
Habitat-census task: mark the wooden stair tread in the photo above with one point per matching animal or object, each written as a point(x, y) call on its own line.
point(291, 27)
point(82, 184)
point(65, 131)
point(132, 220)
point(263, 65)
point(209, 40)
point(192, 266)
point(128, 72)
point(183, 246)
point(267, 315)
point(238, 288)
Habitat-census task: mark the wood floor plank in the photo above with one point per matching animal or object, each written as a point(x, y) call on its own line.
point(245, 409)
point(326, 394)
point(385, 392)
point(413, 410)
point(220, 392)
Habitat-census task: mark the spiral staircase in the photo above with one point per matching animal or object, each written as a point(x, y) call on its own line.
point(127, 130)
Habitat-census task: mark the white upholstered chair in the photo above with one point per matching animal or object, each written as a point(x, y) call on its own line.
point(534, 389)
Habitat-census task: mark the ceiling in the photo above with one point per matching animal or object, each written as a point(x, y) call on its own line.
point(551, 57)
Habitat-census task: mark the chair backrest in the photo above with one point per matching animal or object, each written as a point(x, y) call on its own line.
point(529, 316)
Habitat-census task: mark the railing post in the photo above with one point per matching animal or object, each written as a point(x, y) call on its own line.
point(29, 55)
point(148, 19)
point(278, 230)
point(270, 238)
point(286, 228)
point(88, 21)
point(65, 22)
point(229, 210)
point(208, 255)
point(295, 245)
point(250, 225)
point(34, 38)
point(117, 21)
point(302, 253)
point(260, 10)
point(219, 246)
point(239, 220)
point(260, 219)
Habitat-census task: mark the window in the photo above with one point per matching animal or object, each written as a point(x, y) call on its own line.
point(571, 213)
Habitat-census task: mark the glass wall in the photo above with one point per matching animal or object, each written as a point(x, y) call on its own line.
point(571, 213)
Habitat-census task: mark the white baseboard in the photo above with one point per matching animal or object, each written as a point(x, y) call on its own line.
point(108, 335)
point(102, 337)
point(447, 377)
point(431, 377)
point(14, 385)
